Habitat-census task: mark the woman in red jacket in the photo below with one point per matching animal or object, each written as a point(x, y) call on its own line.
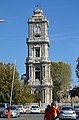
point(47, 115)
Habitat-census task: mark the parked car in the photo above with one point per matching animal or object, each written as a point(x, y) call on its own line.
point(67, 113)
point(21, 108)
point(14, 111)
point(35, 109)
point(76, 108)
point(2, 107)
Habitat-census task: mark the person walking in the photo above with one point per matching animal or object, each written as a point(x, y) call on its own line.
point(54, 111)
point(9, 112)
point(47, 115)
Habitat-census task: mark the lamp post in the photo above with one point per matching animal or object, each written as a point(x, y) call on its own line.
point(2, 20)
point(12, 83)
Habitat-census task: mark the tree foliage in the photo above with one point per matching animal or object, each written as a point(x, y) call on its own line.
point(61, 77)
point(21, 93)
point(6, 75)
point(77, 69)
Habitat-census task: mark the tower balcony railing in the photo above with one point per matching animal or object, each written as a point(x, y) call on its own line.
point(37, 39)
point(37, 82)
point(37, 59)
point(45, 59)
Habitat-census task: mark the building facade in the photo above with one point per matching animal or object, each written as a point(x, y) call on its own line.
point(38, 62)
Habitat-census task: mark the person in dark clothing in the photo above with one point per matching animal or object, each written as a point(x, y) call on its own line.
point(47, 115)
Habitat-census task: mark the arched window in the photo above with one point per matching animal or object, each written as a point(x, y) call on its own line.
point(37, 91)
point(37, 73)
point(37, 52)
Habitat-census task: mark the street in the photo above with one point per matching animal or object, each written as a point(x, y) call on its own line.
point(32, 116)
point(28, 117)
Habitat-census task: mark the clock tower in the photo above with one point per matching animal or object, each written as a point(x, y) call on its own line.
point(38, 62)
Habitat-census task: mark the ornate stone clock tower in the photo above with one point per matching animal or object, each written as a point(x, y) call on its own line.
point(38, 62)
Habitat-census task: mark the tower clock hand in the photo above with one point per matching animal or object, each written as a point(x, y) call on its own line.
point(37, 30)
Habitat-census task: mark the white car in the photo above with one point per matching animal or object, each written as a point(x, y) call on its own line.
point(34, 109)
point(14, 111)
point(67, 113)
point(2, 107)
point(21, 108)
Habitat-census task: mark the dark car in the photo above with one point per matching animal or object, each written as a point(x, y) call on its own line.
point(76, 108)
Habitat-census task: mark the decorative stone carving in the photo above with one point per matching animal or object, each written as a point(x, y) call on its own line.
point(37, 82)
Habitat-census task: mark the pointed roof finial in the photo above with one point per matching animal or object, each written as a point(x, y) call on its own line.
point(37, 6)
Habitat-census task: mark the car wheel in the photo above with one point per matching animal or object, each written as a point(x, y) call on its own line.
point(18, 115)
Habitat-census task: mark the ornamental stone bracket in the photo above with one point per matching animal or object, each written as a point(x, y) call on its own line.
point(32, 82)
point(46, 82)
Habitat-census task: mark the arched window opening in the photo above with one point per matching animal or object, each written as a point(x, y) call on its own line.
point(38, 52)
point(37, 73)
point(37, 91)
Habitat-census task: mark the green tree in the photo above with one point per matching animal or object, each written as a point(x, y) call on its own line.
point(6, 75)
point(61, 77)
point(21, 92)
point(77, 69)
point(23, 95)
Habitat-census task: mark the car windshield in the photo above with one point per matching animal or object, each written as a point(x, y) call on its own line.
point(11, 107)
point(34, 106)
point(2, 105)
point(76, 106)
point(67, 108)
point(19, 106)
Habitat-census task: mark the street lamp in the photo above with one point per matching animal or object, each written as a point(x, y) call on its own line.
point(2, 20)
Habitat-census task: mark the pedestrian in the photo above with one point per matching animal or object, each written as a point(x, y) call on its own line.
point(9, 112)
point(47, 115)
point(54, 111)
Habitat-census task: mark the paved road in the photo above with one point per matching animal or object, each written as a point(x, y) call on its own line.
point(28, 117)
point(33, 116)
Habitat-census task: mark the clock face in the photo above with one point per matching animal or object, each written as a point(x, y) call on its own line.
point(37, 29)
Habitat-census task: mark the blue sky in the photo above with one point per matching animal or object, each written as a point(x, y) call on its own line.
point(63, 16)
